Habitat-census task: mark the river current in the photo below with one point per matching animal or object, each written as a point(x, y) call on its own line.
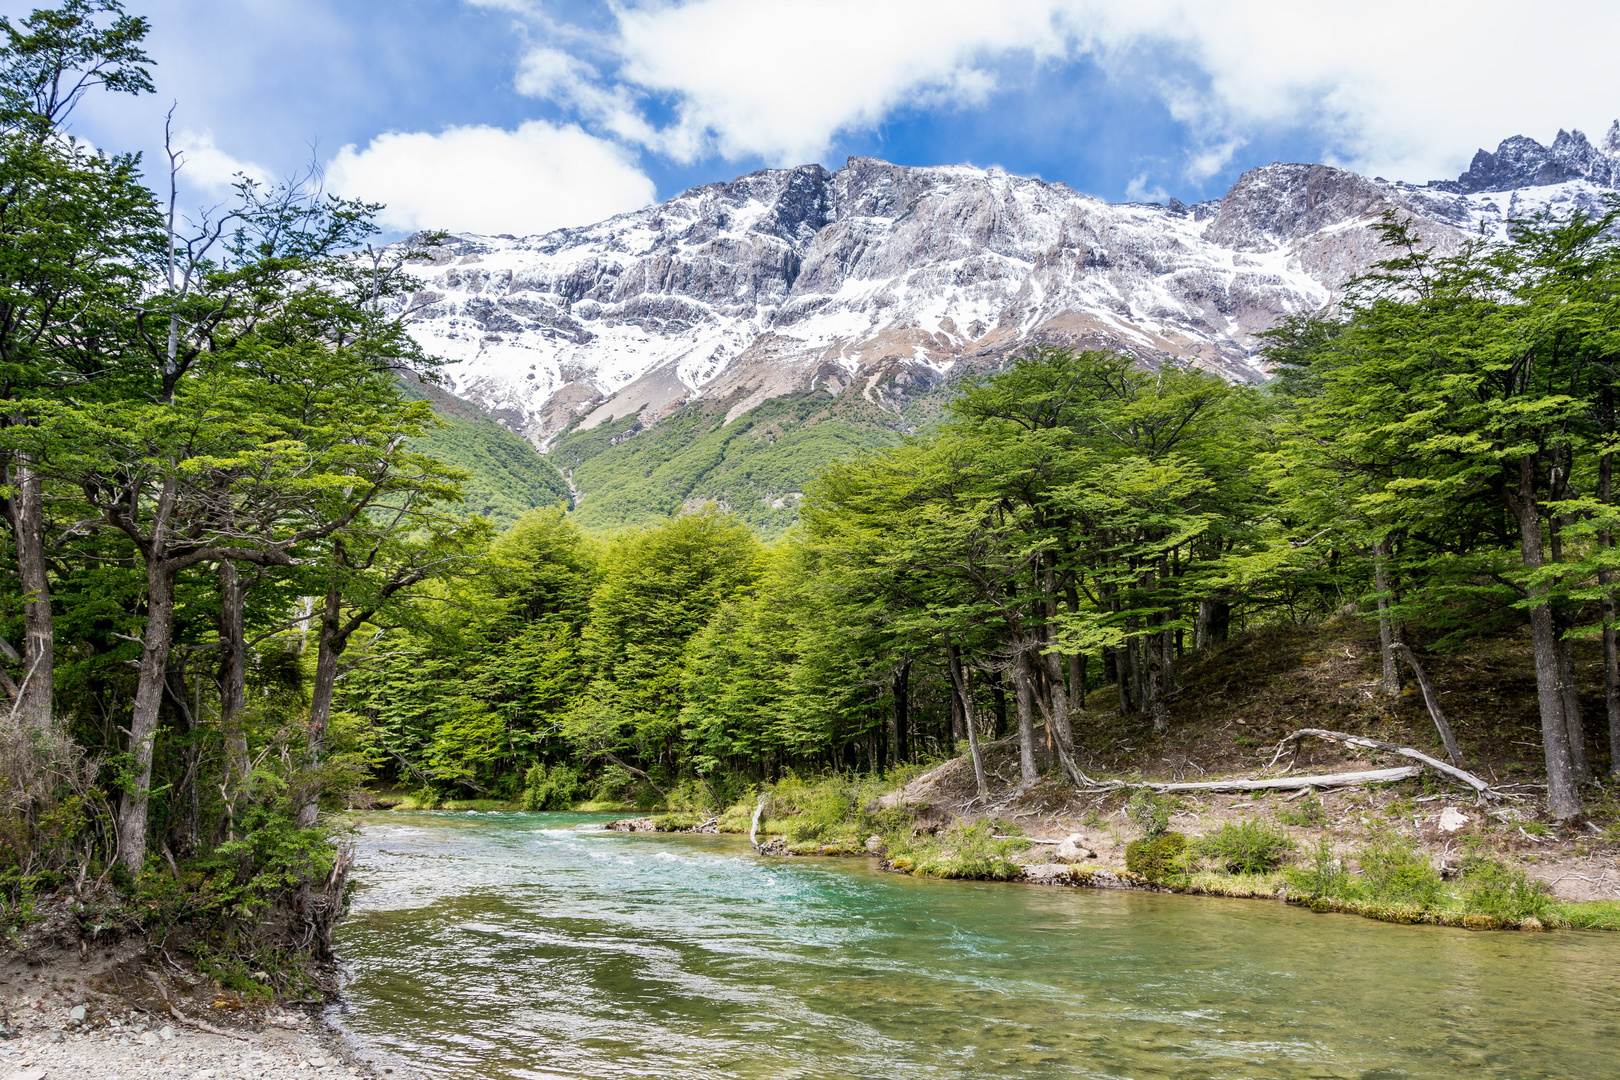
point(519, 945)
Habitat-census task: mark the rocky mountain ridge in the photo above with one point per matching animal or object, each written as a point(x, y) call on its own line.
point(883, 280)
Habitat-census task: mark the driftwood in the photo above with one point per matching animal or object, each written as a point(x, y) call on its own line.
point(1453, 751)
point(753, 826)
point(1378, 744)
point(1350, 779)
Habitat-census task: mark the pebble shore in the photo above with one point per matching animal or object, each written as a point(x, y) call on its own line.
point(289, 1046)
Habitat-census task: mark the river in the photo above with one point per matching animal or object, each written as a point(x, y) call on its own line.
point(518, 945)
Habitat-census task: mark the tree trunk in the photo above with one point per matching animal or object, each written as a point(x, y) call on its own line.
point(34, 689)
point(1077, 681)
point(1157, 710)
point(1573, 720)
point(1388, 635)
point(183, 833)
point(965, 700)
point(899, 724)
point(1122, 680)
point(1167, 659)
point(155, 639)
point(330, 648)
point(998, 704)
point(1611, 655)
point(233, 683)
point(1061, 727)
point(1135, 662)
point(1024, 689)
point(1563, 794)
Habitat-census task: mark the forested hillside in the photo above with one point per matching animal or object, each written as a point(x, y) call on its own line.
point(1436, 458)
point(505, 476)
point(757, 466)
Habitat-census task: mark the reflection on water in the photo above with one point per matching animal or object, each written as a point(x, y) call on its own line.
point(515, 945)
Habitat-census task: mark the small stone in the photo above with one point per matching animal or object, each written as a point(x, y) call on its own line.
point(165, 1032)
point(149, 1038)
point(874, 844)
point(77, 1014)
point(1452, 819)
point(319, 1063)
point(27, 1074)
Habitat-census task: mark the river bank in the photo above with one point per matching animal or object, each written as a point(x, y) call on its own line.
point(1543, 875)
point(120, 1012)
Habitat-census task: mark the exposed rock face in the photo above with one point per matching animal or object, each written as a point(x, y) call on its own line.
point(1520, 163)
point(881, 279)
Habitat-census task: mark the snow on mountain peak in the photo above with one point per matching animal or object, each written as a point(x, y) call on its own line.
point(787, 280)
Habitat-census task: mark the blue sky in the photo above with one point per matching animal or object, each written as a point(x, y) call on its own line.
point(522, 115)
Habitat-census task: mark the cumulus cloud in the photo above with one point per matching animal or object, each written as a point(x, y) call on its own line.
point(210, 169)
point(486, 179)
point(1403, 87)
point(1138, 190)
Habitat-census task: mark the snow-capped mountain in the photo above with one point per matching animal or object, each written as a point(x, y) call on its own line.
point(877, 274)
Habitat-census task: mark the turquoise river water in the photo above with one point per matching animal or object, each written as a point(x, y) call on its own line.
point(520, 945)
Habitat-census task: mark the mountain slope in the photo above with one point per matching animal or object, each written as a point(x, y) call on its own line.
point(859, 297)
point(508, 476)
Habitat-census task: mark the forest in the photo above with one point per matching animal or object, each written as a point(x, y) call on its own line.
point(239, 587)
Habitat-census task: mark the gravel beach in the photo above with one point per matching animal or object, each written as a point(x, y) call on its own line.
point(59, 1029)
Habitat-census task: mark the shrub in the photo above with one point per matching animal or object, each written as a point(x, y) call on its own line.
point(1310, 813)
point(1324, 875)
point(1252, 847)
point(965, 851)
point(1150, 812)
point(1493, 888)
point(550, 787)
point(1156, 857)
point(1396, 872)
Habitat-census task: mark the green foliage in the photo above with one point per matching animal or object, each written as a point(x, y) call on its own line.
point(1592, 915)
point(1397, 872)
point(1249, 847)
point(1324, 875)
point(1307, 813)
point(1150, 812)
point(757, 465)
point(1157, 857)
point(1491, 887)
point(963, 851)
point(506, 477)
point(551, 787)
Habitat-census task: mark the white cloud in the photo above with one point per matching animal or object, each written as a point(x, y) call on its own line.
point(484, 179)
point(1138, 191)
point(1402, 87)
point(210, 169)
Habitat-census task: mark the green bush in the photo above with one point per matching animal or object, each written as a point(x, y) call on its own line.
point(1310, 813)
point(1324, 875)
point(1252, 847)
point(550, 787)
point(1496, 889)
point(1157, 857)
point(966, 851)
point(1150, 812)
point(1396, 872)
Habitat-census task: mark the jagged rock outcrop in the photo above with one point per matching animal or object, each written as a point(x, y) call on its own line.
point(1521, 162)
point(880, 279)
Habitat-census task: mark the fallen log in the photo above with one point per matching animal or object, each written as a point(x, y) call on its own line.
point(1378, 744)
point(1371, 776)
